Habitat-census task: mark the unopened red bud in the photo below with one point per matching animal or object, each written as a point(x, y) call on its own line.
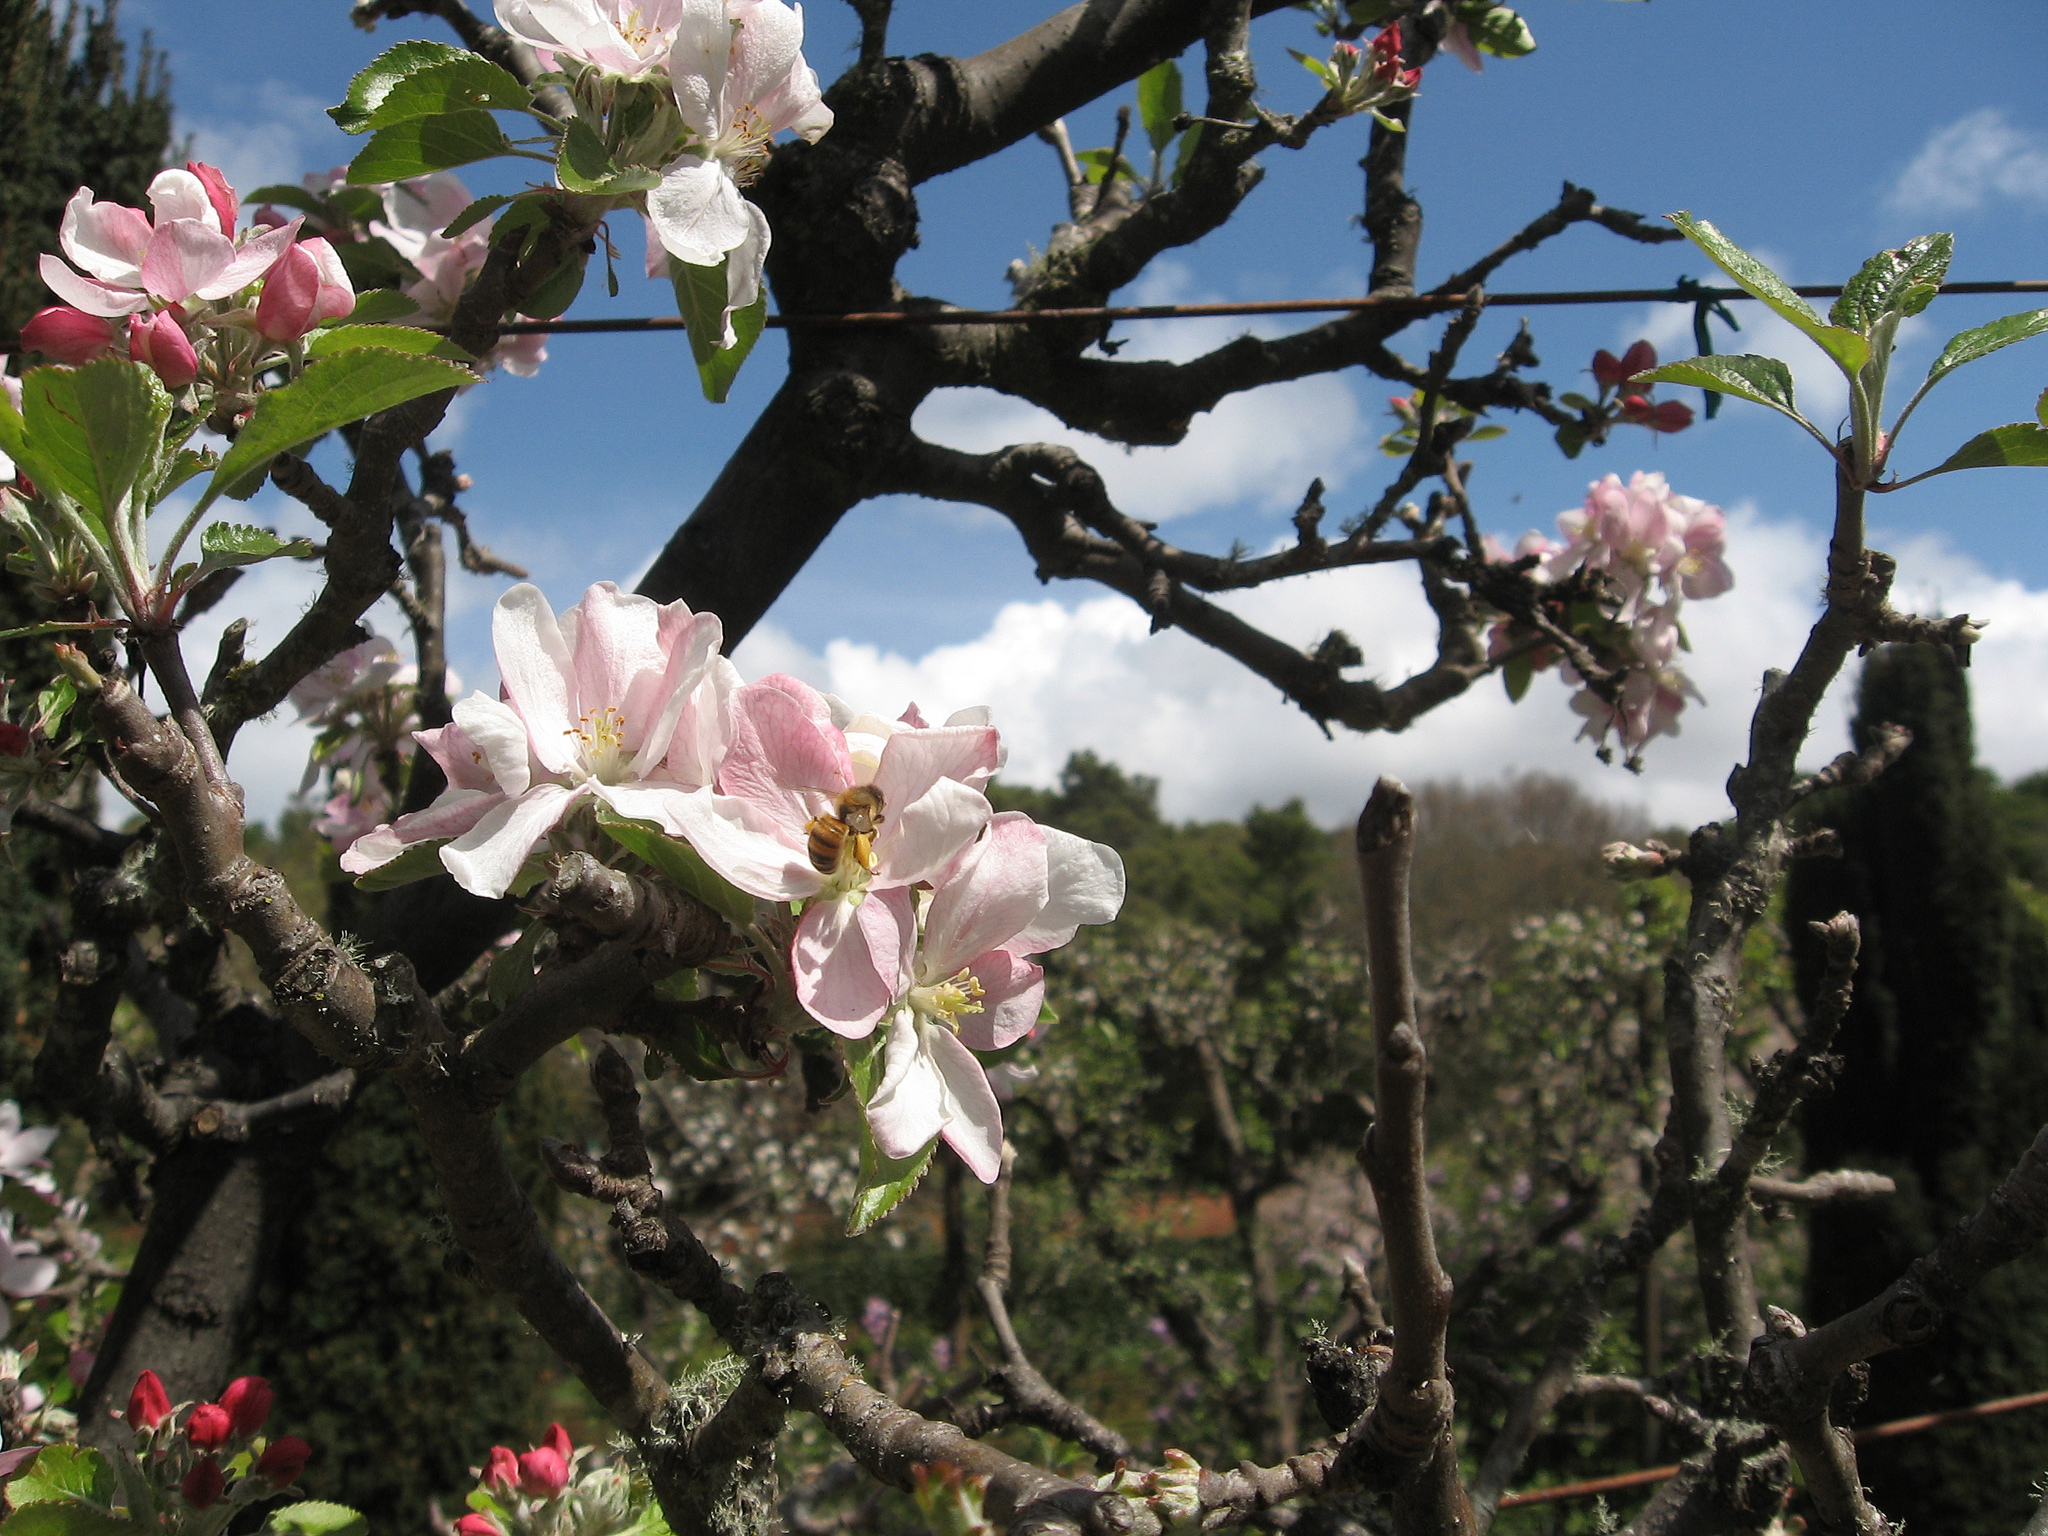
point(209, 1426)
point(543, 1473)
point(283, 1461)
point(148, 1403)
point(247, 1400)
point(1670, 416)
point(226, 206)
point(1635, 408)
point(557, 1440)
point(1640, 358)
point(204, 1484)
point(14, 741)
point(501, 1469)
point(67, 335)
point(1607, 369)
point(161, 343)
point(477, 1525)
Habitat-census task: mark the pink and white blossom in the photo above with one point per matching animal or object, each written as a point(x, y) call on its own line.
point(25, 1270)
point(739, 76)
point(126, 260)
point(65, 334)
point(618, 700)
point(790, 761)
point(970, 985)
point(1644, 536)
point(308, 287)
point(415, 213)
point(630, 38)
point(24, 1154)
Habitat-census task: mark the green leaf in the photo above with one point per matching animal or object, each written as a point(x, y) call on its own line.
point(98, 428)
point(53, 704)
point(1571, 438)
point(1501, 32)
point(478, 210)
point(227, 545)
point(885, 1183)
point(50, 627)
point(1848, 348)
point(316, 1517)
point(1317, 67)
point(377, 306)
point(422, 861)
point(65, 1519)
point(512, 972)
point(1095, 165)
point(290, 196)
point(723, 366)
point(2021, 445)
point(1900, 282)
point(1968, 346)
point(586, 166)
point(679, 863)
point(428, 144)
point(383, 74)
point(463, 82)
point(2041, 408)
point(1185, 148)
point(558, 290)
point(1159, 103)
point(1762, 380)
point(62, 1472)
point(1517, 675)
point(331, 393)
point(399, 338)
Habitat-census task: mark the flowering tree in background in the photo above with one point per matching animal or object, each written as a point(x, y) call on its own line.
point(634, 853)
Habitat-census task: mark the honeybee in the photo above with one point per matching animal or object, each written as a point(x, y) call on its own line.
point(848, 831)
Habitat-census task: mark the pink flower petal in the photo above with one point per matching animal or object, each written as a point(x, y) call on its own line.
point(847, 959)
point(461, 759)
point(535, 662)
point(782, 745)
point(259, 253)
point(992, 894)
point(453, 813)
point(84, 293)
point(486, 859)
point(184, 257)
point(178, 194)
point(1012, 991)
point(756, 862)
point(973, 1120)
point(104, 240)
point(1085, 884)
point(495, 729)
point(913, 761)
point(908, 1107)
point(919, 841)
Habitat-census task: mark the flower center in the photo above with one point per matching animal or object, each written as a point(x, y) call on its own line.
point(601, 734)
point(744, 145)
point(945, 1001)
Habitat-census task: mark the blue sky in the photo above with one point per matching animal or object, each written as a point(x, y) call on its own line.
point(1812, 133)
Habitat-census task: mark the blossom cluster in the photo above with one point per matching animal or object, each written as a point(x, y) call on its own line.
point(921, 906)
point(1652, 550)
point(198, 299)
point(539, 1492)
point(362, 703)
point(707, 84)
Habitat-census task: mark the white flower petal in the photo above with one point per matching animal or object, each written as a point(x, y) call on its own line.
point(486, 859)
point(699, 213)
point(495, 729)
point(535, 663)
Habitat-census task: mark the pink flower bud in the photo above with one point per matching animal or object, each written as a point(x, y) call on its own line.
point(1346, 50)
point(204, 1484)
point(1636, 408)
point(501, 1470)
point(557, 1440)
point(542, 1473)
point(477, 1525)
point(308, 285)
point(1607, 369)
point(1386, 55)
point(67, 335)
point(283, 1461)
point(247, 1400)
point(209, 1427)
point(161, 342)
point(148, 1403)
point(268, 217)
point(226, 206)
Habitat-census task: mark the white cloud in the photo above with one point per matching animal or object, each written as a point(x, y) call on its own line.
point(1220, 740)
point(1972, 160)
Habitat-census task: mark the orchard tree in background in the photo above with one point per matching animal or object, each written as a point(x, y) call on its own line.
point(634, 858)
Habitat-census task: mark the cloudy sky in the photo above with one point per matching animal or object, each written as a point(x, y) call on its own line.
point(1807, 132)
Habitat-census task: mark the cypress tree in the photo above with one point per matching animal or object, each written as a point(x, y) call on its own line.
point(1944, 1083)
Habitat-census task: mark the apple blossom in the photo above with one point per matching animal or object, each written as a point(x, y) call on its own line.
point(308, 286)
point(282, 1461)
point(739, 79)
point(248, 1400)
point(208, 1426)
point(631, 38)
point(65, 334)
point(127, 260)
point(204, 1484)
point(415, 213)
point(148, 1403)
point(619, 700)
point(789, 763)
point(25, 1270)
point(1018, 890)
point(1611, 372)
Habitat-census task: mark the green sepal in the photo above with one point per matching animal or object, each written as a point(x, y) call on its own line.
point(424, 145)
point(422, 861)
point(1897, 282)
point(458, 82)
point(678, 863)
point(1850, 349)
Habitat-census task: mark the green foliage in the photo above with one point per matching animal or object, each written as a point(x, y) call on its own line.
point(1945, 1052)
point(1850, 349)
point(422, 145)
point(700, 300)
point(421, 79)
